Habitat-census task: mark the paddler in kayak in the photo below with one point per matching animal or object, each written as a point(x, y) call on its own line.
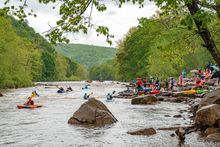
point(87, 96)
point(30, 101)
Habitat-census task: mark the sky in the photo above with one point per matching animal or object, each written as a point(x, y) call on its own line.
point(118, 20)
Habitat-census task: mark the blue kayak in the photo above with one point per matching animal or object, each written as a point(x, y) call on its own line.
point(60, 91)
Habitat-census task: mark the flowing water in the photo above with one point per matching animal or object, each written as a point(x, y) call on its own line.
point(47, 126)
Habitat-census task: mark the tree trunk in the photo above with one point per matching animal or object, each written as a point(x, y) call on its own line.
point(204, 31)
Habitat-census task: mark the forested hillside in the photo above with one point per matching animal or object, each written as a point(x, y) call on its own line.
point(26, 56)
point(88, 55)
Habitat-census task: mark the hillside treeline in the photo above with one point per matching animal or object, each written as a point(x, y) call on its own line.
point(25, 57)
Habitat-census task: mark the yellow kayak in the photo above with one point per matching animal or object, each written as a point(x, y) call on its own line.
point(190, 92)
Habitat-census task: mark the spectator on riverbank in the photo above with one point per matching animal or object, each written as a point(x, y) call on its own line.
point(172, 82)
point(180, 80)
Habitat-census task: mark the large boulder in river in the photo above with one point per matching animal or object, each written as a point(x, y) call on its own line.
point(211, 98)
point(92, 113)
point(211, 130)
point(213, 137)
point(148, 99)
point(146, 131)
point(208, 116)
point(1, 94)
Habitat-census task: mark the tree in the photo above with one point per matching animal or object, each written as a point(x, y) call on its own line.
point(74, 18)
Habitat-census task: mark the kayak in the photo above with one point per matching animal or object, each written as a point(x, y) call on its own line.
point(155, 91)
point(202, 91)
point(190, 92)
point(29, 106)
point(108, 100)
point(165, 92)
point(60, 91)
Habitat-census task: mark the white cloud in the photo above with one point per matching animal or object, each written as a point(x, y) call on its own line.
point(119, 20)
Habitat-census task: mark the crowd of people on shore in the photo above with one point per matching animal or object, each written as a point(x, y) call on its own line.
point(197, 77)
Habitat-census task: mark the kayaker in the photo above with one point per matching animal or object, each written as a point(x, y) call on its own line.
point(109, 96)
point(61, 90)
point(87, 96)
point(69, 89)
point(30, 101)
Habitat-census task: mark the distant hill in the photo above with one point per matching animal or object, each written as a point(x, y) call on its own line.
point(88, 55)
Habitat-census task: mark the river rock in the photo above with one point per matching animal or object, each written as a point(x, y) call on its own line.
point(93, 112)
point(208, 116)
point(146, 131)
point(213, 137)
point(1, 94)
point(180, 132)
point(177, 116)
point(161, 98)
point(211, 98)
point(149, 99)
point(194, 105)
point(177, 99)
point(211, 130)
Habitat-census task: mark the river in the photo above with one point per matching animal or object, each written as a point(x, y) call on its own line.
point(47, 126)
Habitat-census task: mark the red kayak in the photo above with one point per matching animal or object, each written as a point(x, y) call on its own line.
point(29, 106)
point(155, 91)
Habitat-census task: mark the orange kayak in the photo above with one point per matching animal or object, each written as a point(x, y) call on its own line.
point(29, 106)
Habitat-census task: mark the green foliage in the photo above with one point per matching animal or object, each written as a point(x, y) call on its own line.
point(105, 71)
point(161, 48)
point(26, 56)
point(87, 55)
point(15, 69)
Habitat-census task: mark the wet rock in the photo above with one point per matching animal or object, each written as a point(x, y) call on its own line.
point(166, 115)
point(211, 130)
point(177, 99)
point(181, 134)
point(93, 112)
point(164, 94)
point(177, 116)
point(149, 99)
point(184, 95)
point(172, 135)
point(208, 116)
point(1, 94)
point(146, 131)
point(182, 111)
point(215, 137)
point(160, 98)
point(211, 98)
point(194, 105)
